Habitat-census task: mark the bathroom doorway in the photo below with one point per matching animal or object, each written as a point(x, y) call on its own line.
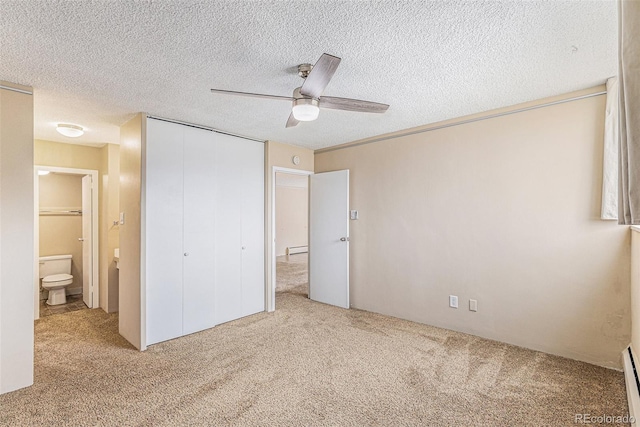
point(290, 227)
point(66, 207)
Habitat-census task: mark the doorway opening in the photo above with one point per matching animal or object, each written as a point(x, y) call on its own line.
point(66, 240)
point(290, 227)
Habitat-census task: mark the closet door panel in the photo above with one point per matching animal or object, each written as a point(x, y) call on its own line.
point(228, 232)
point(199, 230)
point(163, 230)
point(253, 299)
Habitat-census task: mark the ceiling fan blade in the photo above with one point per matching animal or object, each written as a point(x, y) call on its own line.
point(348, 104)
point(319, 77)
point(253, 95)
point(291, 122)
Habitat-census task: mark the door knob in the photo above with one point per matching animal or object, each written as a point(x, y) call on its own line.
point(81, 239)
point(244, 247)
point(344, 239)
point(186, 254)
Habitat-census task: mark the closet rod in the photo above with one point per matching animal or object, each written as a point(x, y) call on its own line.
point(61, 212)
point(204, 128)
point(15, 89)
point(461, 122)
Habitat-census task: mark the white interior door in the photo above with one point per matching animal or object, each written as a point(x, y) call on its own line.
point(329, 238)
point(199, 230)
point(228, 228)
point(163, 230)
point(87, 243)
point(252, 227)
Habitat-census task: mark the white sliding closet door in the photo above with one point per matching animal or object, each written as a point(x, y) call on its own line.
point(203, 229)
point(163, 230)
point(199, 230)
point(228, 228)
point(252, 227)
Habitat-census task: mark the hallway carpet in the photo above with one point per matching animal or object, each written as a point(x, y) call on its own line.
point(292, 274)
point(307, 364)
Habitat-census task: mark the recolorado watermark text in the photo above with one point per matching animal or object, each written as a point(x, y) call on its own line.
point(603, 419)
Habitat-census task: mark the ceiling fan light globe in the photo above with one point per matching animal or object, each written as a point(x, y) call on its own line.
point(305, 109)
point(305, 113)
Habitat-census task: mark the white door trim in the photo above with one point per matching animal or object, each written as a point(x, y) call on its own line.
point(271, 280)
point(94, 231)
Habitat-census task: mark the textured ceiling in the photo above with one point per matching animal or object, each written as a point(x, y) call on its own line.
point(95, 64)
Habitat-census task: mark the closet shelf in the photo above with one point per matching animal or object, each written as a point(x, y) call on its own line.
point(60, 211)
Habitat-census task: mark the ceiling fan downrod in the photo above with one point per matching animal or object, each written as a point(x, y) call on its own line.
point(304, 70)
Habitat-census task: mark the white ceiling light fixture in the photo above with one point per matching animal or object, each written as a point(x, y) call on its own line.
point(305, 109)
point(72, 131)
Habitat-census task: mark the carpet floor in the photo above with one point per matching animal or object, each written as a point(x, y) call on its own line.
point(304, 364)
point(292, 274)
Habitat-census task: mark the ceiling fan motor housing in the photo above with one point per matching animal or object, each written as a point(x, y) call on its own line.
point(298, 95)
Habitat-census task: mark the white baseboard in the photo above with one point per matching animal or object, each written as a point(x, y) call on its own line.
point(633, 392)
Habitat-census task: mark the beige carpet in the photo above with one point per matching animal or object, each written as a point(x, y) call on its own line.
point(305, 364)
point(292, 274)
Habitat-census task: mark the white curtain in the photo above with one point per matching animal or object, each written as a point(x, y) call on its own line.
point(610, 157)
point(629, 87)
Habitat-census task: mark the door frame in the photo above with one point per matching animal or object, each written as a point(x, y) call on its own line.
point(271, 281)
point(94, 231)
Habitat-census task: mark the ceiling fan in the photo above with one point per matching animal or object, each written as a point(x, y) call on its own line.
point(307, 99)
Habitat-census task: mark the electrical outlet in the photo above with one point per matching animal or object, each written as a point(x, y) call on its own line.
point(473, 305)
point(453, 301)
point(354, 215)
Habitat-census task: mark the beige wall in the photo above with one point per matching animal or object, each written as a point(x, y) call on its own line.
point(280, 155)
point(16, 239)
point(105, 160)
point(131, 316)
point(292, 217)
point(49, 153)
point(59, 233)
point(504, 211)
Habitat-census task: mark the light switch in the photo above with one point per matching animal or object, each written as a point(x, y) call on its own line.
point(354, 215)
point(121, 218)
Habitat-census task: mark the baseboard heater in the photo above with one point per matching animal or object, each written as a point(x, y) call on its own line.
point(632, 381)
point(292, 250)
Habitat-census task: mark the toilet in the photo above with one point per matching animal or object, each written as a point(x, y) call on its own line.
point(55, 274)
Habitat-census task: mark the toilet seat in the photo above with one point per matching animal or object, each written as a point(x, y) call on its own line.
point(56, 280)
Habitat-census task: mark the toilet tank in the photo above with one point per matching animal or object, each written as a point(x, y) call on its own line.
point(55, 264)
